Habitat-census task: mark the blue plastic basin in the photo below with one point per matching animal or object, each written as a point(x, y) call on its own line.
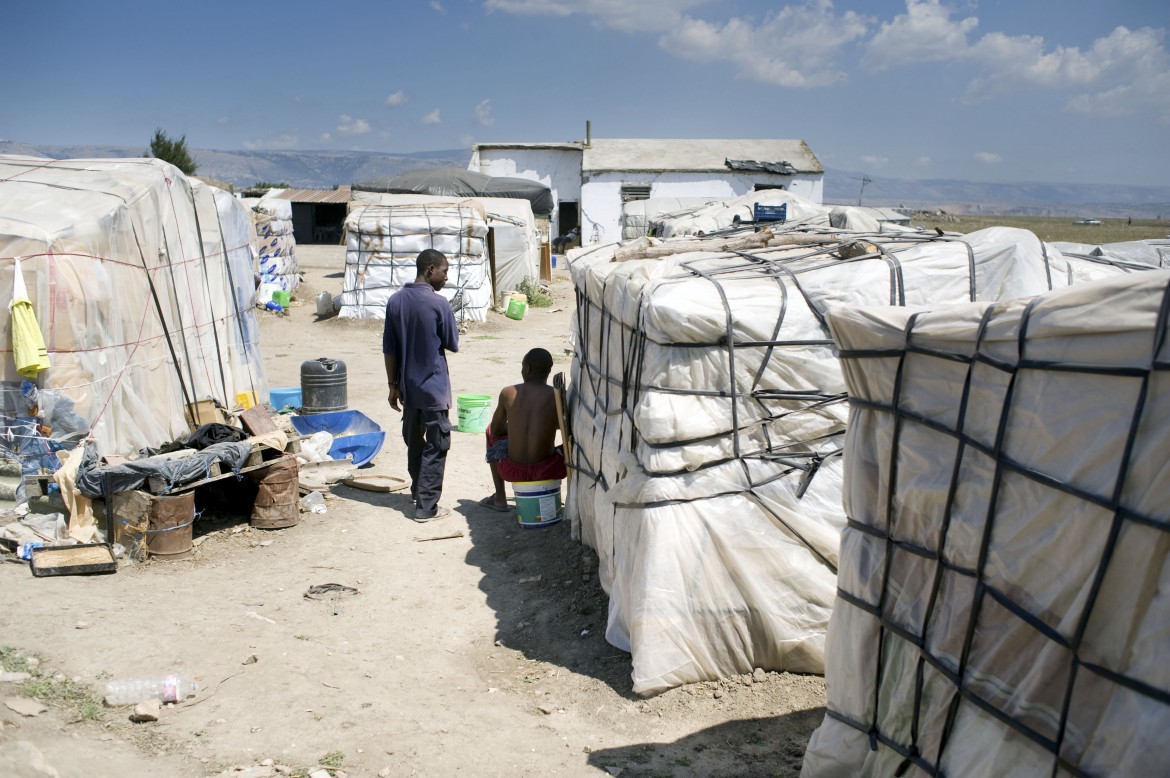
point(286, 397)
point(353, 433)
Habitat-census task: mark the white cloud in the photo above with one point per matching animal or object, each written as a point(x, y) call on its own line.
point(483, 113)
point(224, 120)
point(437, 6)
point(794, 47)
point(324, 137)
point(285, 141)
point(433, 118)
point(624, 15)
point(1124, 72)
point(396, 99)
point(874, 161)
point(925, 33)
point(347, 125)
point(923, 161)
point(988, 157)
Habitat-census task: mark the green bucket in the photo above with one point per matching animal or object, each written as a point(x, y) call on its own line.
point(475, 412)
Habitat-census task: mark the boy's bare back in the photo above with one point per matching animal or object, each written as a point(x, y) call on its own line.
point(530, 411)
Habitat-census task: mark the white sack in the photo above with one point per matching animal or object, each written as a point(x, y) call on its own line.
point(672, 428)
point(1010, 528)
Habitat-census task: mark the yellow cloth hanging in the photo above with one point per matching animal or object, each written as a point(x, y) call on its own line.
point(28, 345)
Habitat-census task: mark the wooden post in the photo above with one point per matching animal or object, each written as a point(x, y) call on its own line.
point(545, 263)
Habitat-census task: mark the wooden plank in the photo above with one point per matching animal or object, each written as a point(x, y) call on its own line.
point(562, 417)
point(545, 263)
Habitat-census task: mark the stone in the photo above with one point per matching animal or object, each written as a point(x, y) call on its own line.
point(82, 625)
point(547, 709)
point(6, 677)
point(320, 774)
point(251, 660)
point(146, 711)
point(758, 675)
point(384, 772)
point(25, 707)
point(267, 762)
point(717, 693)
point(25, 760)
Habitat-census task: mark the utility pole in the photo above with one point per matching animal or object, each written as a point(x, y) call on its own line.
point(864, 180)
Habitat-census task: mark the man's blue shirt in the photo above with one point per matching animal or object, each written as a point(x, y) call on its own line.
point(420, 330)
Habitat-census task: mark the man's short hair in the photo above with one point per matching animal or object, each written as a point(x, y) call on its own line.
point(427, 259)
point(539, 362)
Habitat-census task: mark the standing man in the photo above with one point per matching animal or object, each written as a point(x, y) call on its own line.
point(420, 330)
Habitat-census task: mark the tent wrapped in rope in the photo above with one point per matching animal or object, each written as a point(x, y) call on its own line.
point(458, 182)
point(142, 283)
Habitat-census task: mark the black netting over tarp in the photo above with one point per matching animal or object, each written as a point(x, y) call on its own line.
point(1003, 584)
point(458, 182)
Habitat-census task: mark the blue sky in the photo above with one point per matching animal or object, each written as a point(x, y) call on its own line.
point(996, 90)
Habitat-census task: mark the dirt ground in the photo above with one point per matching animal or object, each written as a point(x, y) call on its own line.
point(479, 655)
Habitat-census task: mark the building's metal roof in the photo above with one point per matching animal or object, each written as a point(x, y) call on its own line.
point(567, 145)
point(339, 195)
point(659, 155)
point(612, 154)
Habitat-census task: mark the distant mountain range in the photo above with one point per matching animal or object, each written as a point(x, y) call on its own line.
point(326, 169)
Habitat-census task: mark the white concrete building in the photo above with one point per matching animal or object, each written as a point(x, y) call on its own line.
point(590, 180)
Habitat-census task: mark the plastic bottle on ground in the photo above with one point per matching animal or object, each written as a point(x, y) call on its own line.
point(167, 688)
point(313, 502)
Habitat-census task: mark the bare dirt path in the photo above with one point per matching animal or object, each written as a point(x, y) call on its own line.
point(480, 655)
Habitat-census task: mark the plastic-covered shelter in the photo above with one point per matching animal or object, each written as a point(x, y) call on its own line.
point(459, 182)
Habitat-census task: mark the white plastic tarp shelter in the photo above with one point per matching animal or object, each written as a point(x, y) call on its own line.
point(1154, 253)
point(516, 242)
point(862, 219)
point(383, 242)
point(1004, 587)
point(142, 283)
point(637, 215)
point(708, 412)
point(276, 244)
point(728, 214)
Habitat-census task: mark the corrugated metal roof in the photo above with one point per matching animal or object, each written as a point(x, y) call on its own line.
point(614, 154)
point(570, 145)
point(339, 195)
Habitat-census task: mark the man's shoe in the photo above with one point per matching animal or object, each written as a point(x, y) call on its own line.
point(438, 513)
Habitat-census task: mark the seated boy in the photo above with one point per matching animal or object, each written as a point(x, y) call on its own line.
point(521, 437)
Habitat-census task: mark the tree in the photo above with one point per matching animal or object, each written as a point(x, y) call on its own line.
point(173, 151)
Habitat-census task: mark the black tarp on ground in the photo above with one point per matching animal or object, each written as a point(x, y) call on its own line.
point(458, 182)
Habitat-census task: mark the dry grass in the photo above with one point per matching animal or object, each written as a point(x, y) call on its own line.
point(1057, 228)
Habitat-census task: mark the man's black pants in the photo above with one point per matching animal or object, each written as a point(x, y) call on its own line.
point(428, 438)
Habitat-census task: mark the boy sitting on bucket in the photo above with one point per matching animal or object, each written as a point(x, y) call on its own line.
point(523, 430)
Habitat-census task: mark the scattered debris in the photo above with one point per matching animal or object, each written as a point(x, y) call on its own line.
point(25, 707)
point(251, 660)
point(456, 534)
point(530, 579)
point(6, 677)
point(146, 711)
point(258, 617)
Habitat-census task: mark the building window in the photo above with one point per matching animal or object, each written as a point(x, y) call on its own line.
point(635, 192)
point(761, 187)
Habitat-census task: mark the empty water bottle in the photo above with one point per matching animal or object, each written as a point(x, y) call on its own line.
point(166, 688)
point(313, 502)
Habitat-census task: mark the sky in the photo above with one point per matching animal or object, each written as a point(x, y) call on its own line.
point(1068, 91)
